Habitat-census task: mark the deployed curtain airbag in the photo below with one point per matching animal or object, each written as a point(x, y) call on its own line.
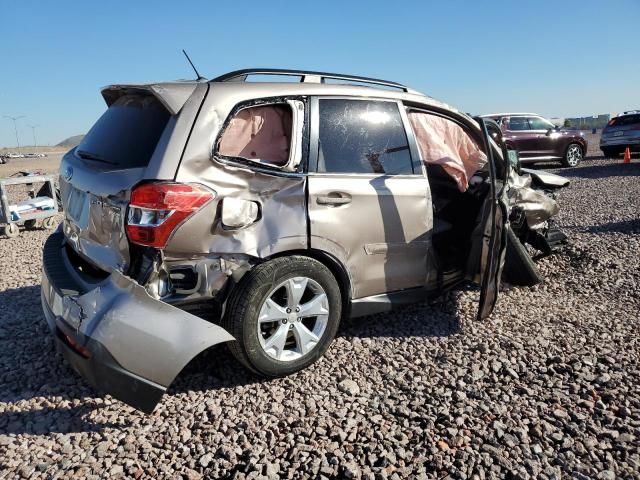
point(445, 143)
point(260, 133)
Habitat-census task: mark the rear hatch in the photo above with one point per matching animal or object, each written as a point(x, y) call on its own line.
point(98, 175)
point(623, 128)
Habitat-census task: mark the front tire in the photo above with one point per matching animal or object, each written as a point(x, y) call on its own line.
point(284, 315)
point(572, 155)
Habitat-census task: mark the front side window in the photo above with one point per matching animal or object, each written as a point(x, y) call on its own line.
point(537, 123)
point(517, 123)
point(261, 133)
point(362, 136)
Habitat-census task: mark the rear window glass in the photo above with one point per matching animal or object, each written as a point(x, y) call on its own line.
point(625, 120)
point(126, 135)
point(362, 136)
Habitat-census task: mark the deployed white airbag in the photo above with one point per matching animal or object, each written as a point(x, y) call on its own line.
point(445, 143)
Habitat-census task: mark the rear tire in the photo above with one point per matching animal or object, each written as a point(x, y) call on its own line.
point(611, 152)
point(519, 268)
point(261, 310)
point(572, 155)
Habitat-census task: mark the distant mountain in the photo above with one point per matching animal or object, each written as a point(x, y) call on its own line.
point(71, 141)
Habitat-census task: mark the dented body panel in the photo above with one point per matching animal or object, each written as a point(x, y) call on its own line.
point(147, 338)
point(394, 212)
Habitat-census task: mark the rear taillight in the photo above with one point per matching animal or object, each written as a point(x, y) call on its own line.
point(157, 209)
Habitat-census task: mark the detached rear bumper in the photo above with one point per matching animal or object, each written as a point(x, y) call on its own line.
point(100, 369)
point(112, 332)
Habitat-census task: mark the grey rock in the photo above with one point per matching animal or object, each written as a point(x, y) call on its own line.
point(205, 460)
point(349, 386)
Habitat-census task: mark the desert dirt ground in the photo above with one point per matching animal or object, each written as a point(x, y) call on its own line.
point(48, 164)
point(546, 388)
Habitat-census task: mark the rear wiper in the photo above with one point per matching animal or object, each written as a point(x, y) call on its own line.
point(92, 156)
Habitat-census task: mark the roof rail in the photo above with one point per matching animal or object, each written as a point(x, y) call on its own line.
point(307, 76)
point(631, 111)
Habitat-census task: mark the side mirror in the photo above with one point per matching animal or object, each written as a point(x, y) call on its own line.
point(550, 131)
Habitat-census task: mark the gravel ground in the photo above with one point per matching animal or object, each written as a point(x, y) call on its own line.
point(546, 388)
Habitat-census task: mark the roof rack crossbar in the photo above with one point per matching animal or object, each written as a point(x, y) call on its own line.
point(241, 76)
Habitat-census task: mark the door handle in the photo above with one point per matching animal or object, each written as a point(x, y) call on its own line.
point(333, 199)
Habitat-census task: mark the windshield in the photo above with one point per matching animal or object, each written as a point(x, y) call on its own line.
point(126, 135)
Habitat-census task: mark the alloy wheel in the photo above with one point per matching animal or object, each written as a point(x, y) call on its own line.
point(293, 319)
point(574, 155)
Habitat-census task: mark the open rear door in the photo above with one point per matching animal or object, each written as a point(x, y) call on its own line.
point(494, 225)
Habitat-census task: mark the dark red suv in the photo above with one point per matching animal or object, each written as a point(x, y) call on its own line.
point(538, 140)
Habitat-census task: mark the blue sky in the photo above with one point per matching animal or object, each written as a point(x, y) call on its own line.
point(555, 58)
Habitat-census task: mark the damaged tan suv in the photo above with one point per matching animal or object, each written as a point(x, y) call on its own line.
point(260, 214)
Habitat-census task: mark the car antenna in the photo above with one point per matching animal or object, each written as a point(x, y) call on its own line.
point(200, 77)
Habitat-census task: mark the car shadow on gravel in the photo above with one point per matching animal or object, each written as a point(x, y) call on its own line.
point(603, 171)
point(436, 318)
point(630, 227)
point(47, 420)
point(216, 368)
point(33, 373)
point(31, 368)
point(213, 369)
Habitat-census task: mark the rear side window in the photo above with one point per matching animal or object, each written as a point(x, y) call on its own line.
point(260, 134)
point(517, 123)
point(537, 123)
point(362, 136)
point(624, 120)
point(126, 135)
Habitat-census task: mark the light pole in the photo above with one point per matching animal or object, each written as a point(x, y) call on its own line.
point(35, 141)
point(15, 127)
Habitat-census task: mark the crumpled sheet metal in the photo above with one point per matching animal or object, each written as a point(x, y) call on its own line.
point(281, 200)
point(445, 143)
point(98, 230)
point(148, 337)
point(538, 207)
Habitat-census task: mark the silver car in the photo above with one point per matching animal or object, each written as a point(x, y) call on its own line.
point(621, 132)
point(260, 214)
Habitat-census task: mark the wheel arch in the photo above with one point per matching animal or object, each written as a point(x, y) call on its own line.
point(336, 267)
